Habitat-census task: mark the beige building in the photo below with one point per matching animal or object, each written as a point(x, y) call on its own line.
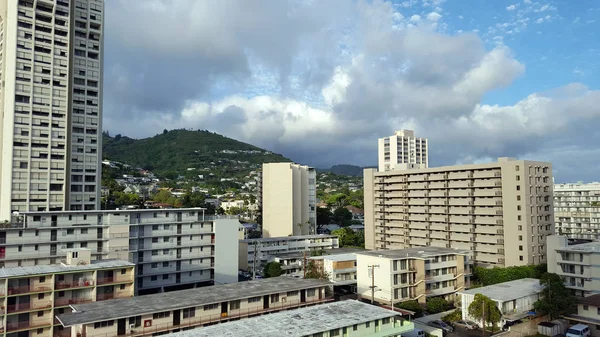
point(32, 296)
point(51, 56)
point(588, 313)
point(403, 151)
point(501, 212)
point(577, 210)
point(577, 264)
point(288, 198)
point(341, 268)
point(412, 274)
point(167, 312)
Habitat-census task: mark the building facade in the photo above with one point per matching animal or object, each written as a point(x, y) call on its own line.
point(577, 210)
point(344, 318)
point(32, 296)
point(578, 264)
point(171, 248)
point(51, 56)
point(403, 151)
point(258, 252)
point(166, 312)
point(588, 313)
point(412, 274)
point(288, 199)
point(501, 212)
point(340, 268)
point(514, 299)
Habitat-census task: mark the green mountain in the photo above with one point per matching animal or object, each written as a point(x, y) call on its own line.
point(345, 170)
point(173, 152)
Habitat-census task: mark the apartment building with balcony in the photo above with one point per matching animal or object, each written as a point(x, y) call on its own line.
point(344, 318)
point(288, 198)
point(578, 264)
point(501, 212)
point(51, 56)
point(31, 296)
point(167, 312)
point(341, 268)
point(172, 249)
point(412, 274)
point(577, 210)
point(258, 252)
point(403, 151)
point(588, 313)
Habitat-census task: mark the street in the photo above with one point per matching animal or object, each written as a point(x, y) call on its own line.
point(462, 332)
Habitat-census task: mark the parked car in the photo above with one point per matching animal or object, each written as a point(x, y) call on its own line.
point(579, 330)
point(508, 324)
point(441, 325)
point(469, 325)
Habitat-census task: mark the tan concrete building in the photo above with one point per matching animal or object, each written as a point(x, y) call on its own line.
point(154, 314)
point(341, 268)
point(288, 198)
point(577, 264)
point(32, 296)
point(403, 151)
point(577, 210)
point(501, 212)
point(588, 313)
point(412, 274)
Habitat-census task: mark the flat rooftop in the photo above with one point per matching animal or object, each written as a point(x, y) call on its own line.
point(290, 238)
point(590, 247)
point(148, 304)
point(326, 253)
point(296, 323)
point(416, 252)
point(336, 257)
point(509, 291)
point(60, 268)
point(110, 211)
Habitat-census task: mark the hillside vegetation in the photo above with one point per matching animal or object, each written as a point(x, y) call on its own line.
point(173, 152)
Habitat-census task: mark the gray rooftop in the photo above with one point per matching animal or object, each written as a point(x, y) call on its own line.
point(509, 291)
point(59, 268)
point(290, 238)
point(416, 252)
point(326, 252)
point(336, 257)
point(590, 247)
point(296, 323)
point(148, 304)
point(110, 211)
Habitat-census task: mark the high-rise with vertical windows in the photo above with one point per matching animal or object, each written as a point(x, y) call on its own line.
point(50, 105)
point(402, 151)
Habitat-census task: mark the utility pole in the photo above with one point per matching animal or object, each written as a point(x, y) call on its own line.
point(304, 264)
point(254, 260)
point(483, 307)
point(372, 269)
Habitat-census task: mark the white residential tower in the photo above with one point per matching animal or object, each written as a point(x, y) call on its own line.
point(402, 151)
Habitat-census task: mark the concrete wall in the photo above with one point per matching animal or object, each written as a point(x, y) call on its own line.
point(226, 250)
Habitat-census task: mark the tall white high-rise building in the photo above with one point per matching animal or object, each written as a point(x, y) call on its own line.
point(577, 210)
point(50, 105)
point(287, 197)
point(402, 151)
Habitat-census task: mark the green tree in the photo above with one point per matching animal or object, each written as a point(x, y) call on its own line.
point(556, 299)
point(272, 269)
point(489, 276)
point(313, 271)
point(192, 199)
point(342, 216)
point(486, 310)
point(437, 304)
point(336, 200)
point(234, 211)
point(162, 196)
point(324, 217)
point(412, 305)
point(123, 199)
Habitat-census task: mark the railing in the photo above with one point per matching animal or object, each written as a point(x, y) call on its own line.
point(104, 297)
point(66, 332)
point(83, 283)
point(12, 326)
point(27, 307)
point(26, 289)
point(106, 280)
point(198, 321)
point(68, 301)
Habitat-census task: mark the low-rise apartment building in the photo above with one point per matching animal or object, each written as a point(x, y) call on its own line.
point(341, 268)
point(578, 264)
point(31, 296)
point(166, 312)
point(344, 318)
point(172, 248)
point(577, 210)
point(500, 212)
point(412, 274)
point(588, 313)
point(514, 299)
point(259, 251)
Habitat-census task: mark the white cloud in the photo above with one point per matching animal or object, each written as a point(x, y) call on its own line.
point(527, 1)
point(540, 20)
point(511, 8)
point(434, 16)
point(415, 18)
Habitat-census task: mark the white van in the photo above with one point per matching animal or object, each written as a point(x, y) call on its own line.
point(414, 333)
point(579, 330)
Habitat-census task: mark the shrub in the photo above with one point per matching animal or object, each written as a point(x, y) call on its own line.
point(436, 305)
point(453, 316)
point(413, 306)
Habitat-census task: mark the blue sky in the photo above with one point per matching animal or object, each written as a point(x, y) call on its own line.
point(320, 81)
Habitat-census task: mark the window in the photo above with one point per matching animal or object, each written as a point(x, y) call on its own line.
point(292, 293)
point(83, 245)
point(234, 305)
point(211, 306)
point(368, 324)
point(585, 307)
point(385, 320)
point(518, 197)
point(155, 227)
point(166, 239)
point(520, 227)
point(20, 248)
point(166, 227)
point(355, 327)
point(520, 257)
point(70, 231)
point(254, 299)
point(274, 298)
point(310, 292)
point(520, 237)
point(154, 265)
point(41, 330)
point(516, 167)
point(122, 287)
point(20, 233)
point(334, 332)
point(519, 217)
point(154, 240)
point(518, 207)
point(123, 271)
point(163, 314)
point(104, 324)
point(84, 231)
point(520, 248)
point(518, 178)
point(153, 278)
point(155, 252)
point(165, 264)
point(165, 276)
point(40, 314)
point(189, 312)
point(518, 188)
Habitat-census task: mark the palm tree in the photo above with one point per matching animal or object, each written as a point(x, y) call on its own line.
point(484, 309)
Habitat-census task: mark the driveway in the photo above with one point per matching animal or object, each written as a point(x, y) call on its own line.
point(462, 332)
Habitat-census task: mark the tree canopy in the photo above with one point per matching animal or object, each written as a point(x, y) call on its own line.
point(411, 305)
point(348, 238)
point(489, 276)
point(437, 304)
point(486, 310)
point(313, 271)
point(272, 269)
point(556, 299)
point(342, 216)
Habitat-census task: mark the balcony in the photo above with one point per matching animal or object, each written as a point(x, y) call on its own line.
point(60, 302)
point(15, 326)
point(78, 284)
point(11, 309)
point(104, 297)
point(107, 280)
point(27, 289)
